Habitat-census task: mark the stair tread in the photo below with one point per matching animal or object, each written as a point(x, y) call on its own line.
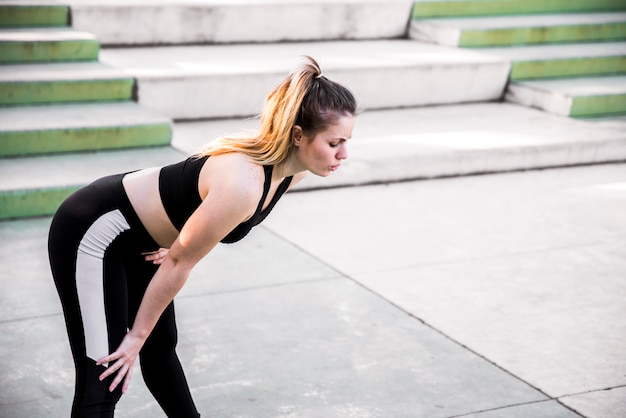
point(59, 71)
point(583, 86)
point(430, 130)
point(504, 22)
point(382, 139)
point(76, 169)
point(423, 142)
point(253, 58)
point(88, 115)
point(560, 51)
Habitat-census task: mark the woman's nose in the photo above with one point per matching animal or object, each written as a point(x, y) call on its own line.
point(342, 153)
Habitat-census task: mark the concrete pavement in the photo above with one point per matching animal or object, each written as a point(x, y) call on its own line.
point(487, 296)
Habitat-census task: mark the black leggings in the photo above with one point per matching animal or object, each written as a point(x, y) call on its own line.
point(95, 246)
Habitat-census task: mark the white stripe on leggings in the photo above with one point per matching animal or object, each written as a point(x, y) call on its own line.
point(90, 280)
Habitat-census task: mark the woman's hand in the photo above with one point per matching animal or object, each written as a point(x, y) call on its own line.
point(157, 256)
point(126, 355)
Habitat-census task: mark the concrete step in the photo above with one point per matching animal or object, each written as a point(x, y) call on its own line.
point(35, 186)
point(387, 146)
point(520, 30)
point(459, 8)
point(47, 44)
point(159, 22)
point(564, 60)
point(28, 130)
point(33, 13)
point(443, 141)
point(63, 82)
point(216, 81)
point(578, 97)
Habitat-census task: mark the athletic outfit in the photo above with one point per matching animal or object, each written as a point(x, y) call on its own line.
point(95, 247)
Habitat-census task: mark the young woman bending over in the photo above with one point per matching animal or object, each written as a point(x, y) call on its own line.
point(107, 241)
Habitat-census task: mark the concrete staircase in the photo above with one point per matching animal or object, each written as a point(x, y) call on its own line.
point(568, 57)
point(428, 110)
point(55, 98)
point(239, 51)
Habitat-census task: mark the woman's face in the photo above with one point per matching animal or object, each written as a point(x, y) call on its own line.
point(323, 153)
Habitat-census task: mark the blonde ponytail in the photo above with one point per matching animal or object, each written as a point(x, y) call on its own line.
point(305, 98)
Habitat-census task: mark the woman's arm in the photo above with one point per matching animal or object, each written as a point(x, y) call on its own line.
point(227, 205)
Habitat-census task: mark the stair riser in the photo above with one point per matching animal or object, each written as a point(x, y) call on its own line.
point(71, 140)
point(599, 106)
point(222, 23)
point(431, 31)
point(17, 93)
point(426, 9)
point(29, 203)
point(55, 51)
point(195, 97)
point(33, 16)
point(565, 105)
point(574, 67)
point(543, 35)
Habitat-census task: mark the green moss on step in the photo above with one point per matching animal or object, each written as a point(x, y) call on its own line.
point(93, 139)
point(543, 35)
point(34, 202)
point(568, 67)
point(13, 16)
point(49, 51)
point(598, 105)
point(64, 91)
point(429, 9)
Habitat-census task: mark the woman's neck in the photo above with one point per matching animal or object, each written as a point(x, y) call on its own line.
point(287, 168)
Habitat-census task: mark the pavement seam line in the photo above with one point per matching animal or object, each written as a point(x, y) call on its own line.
point(399, 308)
point(514, 405)
point(591, 391)
point(29, 318)
point(192, 296)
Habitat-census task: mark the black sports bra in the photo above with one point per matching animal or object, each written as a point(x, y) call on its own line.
point(178, 186)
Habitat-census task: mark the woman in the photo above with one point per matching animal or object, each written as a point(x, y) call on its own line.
point(115, 280)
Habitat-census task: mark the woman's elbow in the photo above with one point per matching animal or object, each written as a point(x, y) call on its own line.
point(182, 264)
point(178, 267)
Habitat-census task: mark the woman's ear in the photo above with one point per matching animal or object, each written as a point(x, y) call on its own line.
point(296, 135)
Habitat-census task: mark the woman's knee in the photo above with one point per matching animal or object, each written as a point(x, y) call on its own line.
point(92, 396)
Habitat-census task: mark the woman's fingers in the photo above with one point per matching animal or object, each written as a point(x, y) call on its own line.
point(124, 371)
point(107, 359)
point(124, 360)
point(157, 256)
point(112, 367)
point(127, 380)
point(118, 378)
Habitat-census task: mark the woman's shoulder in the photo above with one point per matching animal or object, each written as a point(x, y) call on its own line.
point(237, 166)
point(234, 171)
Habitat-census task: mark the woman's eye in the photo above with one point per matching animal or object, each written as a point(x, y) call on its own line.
point(334, 144)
